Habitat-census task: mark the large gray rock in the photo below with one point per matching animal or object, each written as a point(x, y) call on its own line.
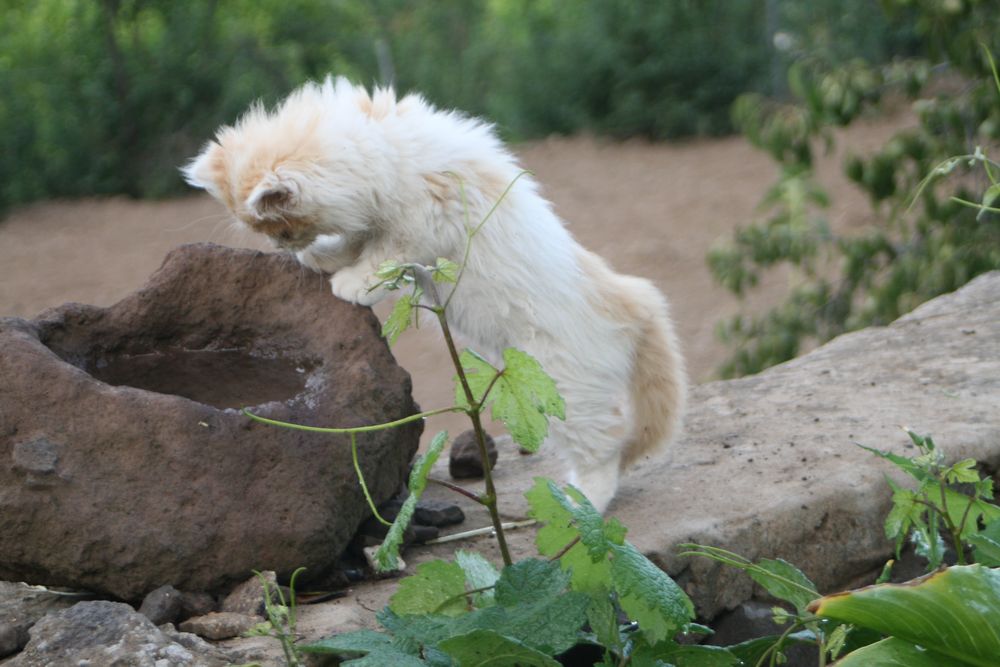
point(121, 489)
point(20, 607)
point(767, 465)
point(111, 633)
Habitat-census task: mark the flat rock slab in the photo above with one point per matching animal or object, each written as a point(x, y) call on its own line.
point(125, 463)
point(767, 465)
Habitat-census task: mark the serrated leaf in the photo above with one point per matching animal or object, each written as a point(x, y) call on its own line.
point(444, 271)
point(389, 270)
point(785, 582)
point(437, 587)
point(954, 612)
point(523, 397)
point(486, 648)
point(894, 652)
point(479, 573)
point(399, 320)
point(479, 373)
point(587, 520)
point(963, 471)
point(558, 532)
point(360, 641)
point(387, 555)
point(529, 581)
point(378, 649)
point(647, 594)
point(603, 619)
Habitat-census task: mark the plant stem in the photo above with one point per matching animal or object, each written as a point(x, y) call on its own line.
point(490, 499)
point(457, 489)
point(354, 429)
point(956, 538)
point(361, 481)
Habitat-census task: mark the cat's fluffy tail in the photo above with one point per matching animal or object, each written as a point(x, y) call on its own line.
point(659, 383)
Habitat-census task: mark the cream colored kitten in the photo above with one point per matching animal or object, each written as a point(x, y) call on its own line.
point(348, 181)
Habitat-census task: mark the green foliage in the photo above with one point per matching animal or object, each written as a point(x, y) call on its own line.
point(387, 556)
point(522, 395)
point(538, 608)
point(953, 615)
point(950, 498)
point(110, 96)
point(281, 618)
point(932, 235)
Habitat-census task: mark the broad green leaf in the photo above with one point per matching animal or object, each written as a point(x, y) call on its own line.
point(595, 533)
point(387, 555)
point(479, 573)
point(955, 612)
point(479, 374)
point(551, 625)
point(785, 582)
point(360, 641)
point(647, 594)
point(377, 648)
point(558, 532)
point(438, 587)
point(389, 655)
point(486, 648)
point(603, 619)
point(523, 397)
point(894, 652)
point(987, 545)
point(676, 655)
point(530, 580)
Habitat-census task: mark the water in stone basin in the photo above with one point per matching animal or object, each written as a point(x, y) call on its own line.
point(220, 378)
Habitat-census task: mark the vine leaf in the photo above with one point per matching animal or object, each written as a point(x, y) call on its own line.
point(523, 396)
point(387, 556)
point(401, 317)
point(437, 587)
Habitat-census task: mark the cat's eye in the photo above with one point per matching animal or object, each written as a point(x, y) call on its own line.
point(285, 235)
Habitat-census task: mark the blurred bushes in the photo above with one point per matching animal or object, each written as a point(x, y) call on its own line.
point(110, 96)
point(932, 187)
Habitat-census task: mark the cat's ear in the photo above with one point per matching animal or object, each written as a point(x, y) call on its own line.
point(207, 171)
point(271, 196)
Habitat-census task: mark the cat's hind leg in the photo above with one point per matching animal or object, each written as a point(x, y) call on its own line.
point(591, 441)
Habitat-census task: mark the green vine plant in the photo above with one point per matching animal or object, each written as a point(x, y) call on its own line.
point(950, 505)
point(281, 618)
point(948, 617)
point(590, 586)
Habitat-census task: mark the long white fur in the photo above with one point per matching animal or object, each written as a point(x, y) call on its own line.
point(355, 179)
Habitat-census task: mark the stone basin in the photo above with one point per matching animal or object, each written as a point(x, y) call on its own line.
point(125, 462)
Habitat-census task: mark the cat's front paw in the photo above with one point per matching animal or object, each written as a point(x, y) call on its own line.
point(351, 284)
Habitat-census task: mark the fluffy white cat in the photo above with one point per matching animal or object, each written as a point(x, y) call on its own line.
point(348, 180)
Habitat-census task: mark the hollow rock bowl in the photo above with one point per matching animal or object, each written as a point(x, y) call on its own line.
point(126, 463)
